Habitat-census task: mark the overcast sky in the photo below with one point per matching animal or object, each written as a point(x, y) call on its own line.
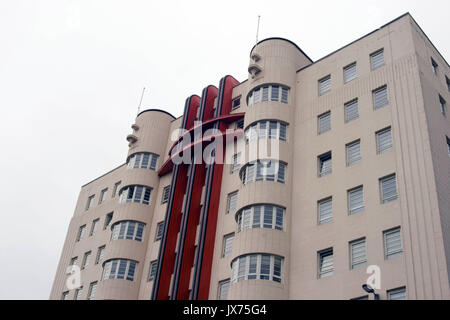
point(71, 75)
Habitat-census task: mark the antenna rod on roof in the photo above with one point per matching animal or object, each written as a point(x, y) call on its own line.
point(257, 30)
point(140, 102)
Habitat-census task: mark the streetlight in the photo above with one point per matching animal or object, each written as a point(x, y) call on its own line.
point(369, 289)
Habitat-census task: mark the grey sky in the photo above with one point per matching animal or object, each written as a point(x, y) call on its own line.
point(71, 74)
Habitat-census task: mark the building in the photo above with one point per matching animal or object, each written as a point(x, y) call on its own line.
point(361, 179)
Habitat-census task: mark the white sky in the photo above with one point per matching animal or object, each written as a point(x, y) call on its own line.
point(71, 75)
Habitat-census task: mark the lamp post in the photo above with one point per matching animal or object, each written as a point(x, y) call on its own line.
point(369, 289)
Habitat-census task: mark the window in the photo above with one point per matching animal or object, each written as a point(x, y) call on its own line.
point(388, 188)
point(355, 200)
point(231, 202)
point(393, 243)
point(65, 295)
point(138, 194)
point(116, 189)
point(351, 110)
point(380, 97)
point(73, 261)
point(129, 230)
point(358, 253)
point(448, 145)
point(384, 140)
point(119, 269)
point(224, 286)
point(264, 170)
point(353, 152)
point(397, 294)
point(159, 231)
point(143, 160)
point(236, 163)
point(81, 233)
point(92, 290)
point(100, 253)
point(94, 227)
point(152, 270)
point(443, 105)
point(324, 123)
point(236, 103)
point(261, 216)
point(227, 245)
point(90, 202)
point(86, 259)
point(324, 85)
point(165, 195)
point(325, 210)
point(257, 266)
point(325, 164)
point(447, 80)
point(262, 94)
point(435, 66)
point(103, 196)
point(240, 124)
point(78, 293)
point(266, 129)
point(108, 220)
point(377, 59)
point(326, 267)
point(350, 72)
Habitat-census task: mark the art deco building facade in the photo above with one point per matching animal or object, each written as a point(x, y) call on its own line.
point(362, 178)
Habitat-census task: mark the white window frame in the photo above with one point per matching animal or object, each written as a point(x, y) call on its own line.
point(86, 260)
point(388, 255)
point(81, 233)
point(274, 94)
point(92, 290)
point(375, 92)
point(232, 202)
point(320, 118)
point(159, 231)
point(120, 230)
point(94, 227)
point(153, 269)
point(143, 190)
point(356, 160)
point(321, 172)
point(220, 288)
point(321, 219)
point(100, 254)
point(392, 197)
point(109, 274)
point(378, 136)
point(102, 197)
point(90, 202)
point(357, 263)
point(351, 104)
point(356, 209)
point(227, 245)
point(324, 85)
point(242, 263)
point(246, 218)
point(321, 271)
point(401, 290)
point(348, 78)
point(374, 55)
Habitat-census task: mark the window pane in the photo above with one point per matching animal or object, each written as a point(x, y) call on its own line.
point(265, 267)
point(265, 94)
point(393, 243)
point(284, 95)
point(283, 131)
point(356, 200)
point(326, 263)
point(380, 97)
point(325, 211)
point(353, 153)
point(324, 123)
point(268, 217)
point(325, 164)
point(351, 111)
point(275, 93)
point(377, 59)
point(324, 85)
point(358, 253)
point(388, 189)
point(397, 294)
point(384, 140)
point(350, 72)
point(223, 290)
point(257, 217)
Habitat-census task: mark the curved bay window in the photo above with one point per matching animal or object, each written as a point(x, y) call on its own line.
point(144, 160)
point(266, 129)
point(137, 194)
point(268, 92)
point(264, 170)
point(119, 269)
point(129, 230)
point(265, 216)
point(259, 266)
